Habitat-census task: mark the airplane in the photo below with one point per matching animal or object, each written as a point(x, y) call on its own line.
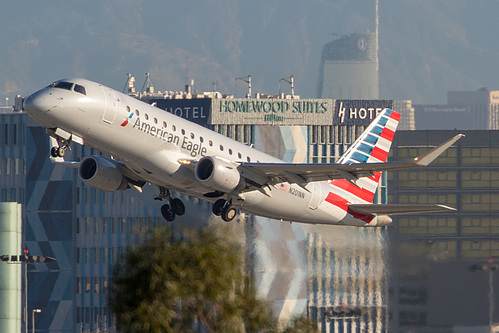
point(145, 144)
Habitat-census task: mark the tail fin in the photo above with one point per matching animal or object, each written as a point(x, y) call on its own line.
point(371, 147)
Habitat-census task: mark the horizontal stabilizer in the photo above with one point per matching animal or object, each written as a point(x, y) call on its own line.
point(397, 209)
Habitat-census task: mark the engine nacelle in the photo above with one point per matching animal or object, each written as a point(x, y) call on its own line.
point(101, 173)
point(218, 174)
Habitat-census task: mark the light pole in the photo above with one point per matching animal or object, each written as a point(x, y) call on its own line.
point(26, 259)
point(490, 267)
point(33, 318)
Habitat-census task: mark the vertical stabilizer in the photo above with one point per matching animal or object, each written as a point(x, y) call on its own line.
point(371, 147)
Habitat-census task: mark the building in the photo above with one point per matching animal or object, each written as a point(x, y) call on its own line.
point(433, 287)
point(349, 68)
point(469, 110)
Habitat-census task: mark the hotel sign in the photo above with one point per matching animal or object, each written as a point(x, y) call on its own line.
point(272, 111)
point(358, 112)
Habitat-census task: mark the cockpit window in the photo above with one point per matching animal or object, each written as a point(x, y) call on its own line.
point(62, 85)
point(80, 89)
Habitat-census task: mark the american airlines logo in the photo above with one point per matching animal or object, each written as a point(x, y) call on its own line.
point(123, 124)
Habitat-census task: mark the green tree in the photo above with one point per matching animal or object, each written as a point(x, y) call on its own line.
point(172, 285)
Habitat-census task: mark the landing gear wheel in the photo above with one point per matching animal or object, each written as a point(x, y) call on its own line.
point(58, 151)
point(218, 206)
point(167, 212)
point(61, 151)
point(229, 213)
point(177, 206)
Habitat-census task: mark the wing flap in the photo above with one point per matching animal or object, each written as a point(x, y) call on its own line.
point(397, 209)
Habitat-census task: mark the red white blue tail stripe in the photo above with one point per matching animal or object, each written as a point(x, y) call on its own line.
point(371, 147)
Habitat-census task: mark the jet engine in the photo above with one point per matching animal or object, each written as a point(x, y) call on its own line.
point(218, 174)
point(101, 173)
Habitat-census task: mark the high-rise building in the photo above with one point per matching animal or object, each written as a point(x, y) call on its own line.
point(349, 68)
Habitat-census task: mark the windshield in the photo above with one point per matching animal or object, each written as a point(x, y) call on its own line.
point(62, 85)
point(69, 86)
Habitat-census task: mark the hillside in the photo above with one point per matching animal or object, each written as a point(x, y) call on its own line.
point(426, 47)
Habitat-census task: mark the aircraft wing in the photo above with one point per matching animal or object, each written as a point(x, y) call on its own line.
point(303, 173)
point(396, 209)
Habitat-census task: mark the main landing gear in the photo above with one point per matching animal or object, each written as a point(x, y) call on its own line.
point(174, 208)
point(224, 208)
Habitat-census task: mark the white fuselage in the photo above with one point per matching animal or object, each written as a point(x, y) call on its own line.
point(153, 141)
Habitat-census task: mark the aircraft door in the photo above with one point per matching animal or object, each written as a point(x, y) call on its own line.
point(316, 197)
point(111, 106)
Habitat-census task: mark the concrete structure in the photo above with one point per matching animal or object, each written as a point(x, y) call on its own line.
point(10, 272)
point(432, 285)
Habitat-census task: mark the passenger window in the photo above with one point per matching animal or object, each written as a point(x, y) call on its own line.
point(146, 116)
point(192, 135)
point(230, 151)
point(174, 128)
point(155, 120)
point(80, 89)
point(248, 159)
point(127, 108)
point(221, 148)
point(239, 155)
point(183, 131)
point(164, 124)
point(210, 143)
point(201, 139)
point(137, 112)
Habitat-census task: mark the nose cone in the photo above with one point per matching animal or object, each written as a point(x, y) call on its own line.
point(35, 104)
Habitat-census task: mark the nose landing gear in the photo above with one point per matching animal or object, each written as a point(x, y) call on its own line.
point(58, 151)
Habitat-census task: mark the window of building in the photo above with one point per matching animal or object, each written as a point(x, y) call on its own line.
point(423, 225)
point(480, 225)
point(96, 285)
point(87, 285)
point(482, 179)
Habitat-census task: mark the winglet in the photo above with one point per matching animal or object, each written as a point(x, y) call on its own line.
point(431, 155)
